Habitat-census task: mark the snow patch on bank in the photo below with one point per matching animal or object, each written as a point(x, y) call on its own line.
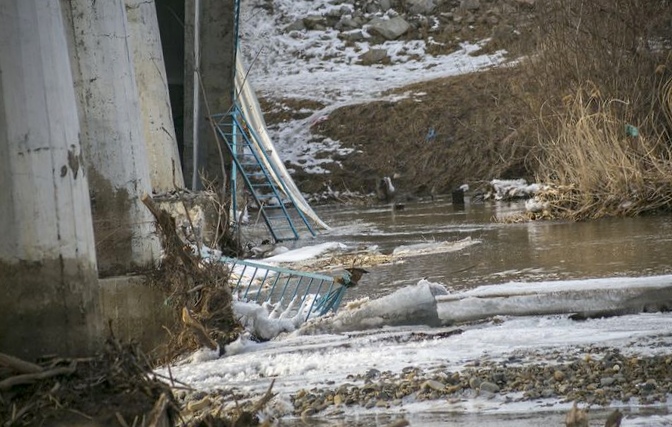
point(319, 66)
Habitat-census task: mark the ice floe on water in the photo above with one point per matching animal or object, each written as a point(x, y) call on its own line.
point(306, 253)
point(411, 305)
point(433, 247)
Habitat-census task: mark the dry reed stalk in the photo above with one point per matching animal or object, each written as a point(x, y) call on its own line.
point(614, 173)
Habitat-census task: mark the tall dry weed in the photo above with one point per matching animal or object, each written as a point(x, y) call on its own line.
point(603, 65)
point(613, 169)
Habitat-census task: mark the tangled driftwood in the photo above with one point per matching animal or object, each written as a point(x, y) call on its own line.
point(117, 384)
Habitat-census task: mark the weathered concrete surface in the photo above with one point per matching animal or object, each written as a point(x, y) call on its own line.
point(48, 278)
point(150, 75)
point(112, 136)
point(212, 53)
point(136, 311)
point(49, 307)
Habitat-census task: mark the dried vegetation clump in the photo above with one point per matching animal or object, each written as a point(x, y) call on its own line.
point(196, 288)
point(606, 165)
point(604, 122)
point(120, 385)
point(117, 387)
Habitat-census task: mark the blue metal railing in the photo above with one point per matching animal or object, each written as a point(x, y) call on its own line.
point(250, 161)
point(313, 294)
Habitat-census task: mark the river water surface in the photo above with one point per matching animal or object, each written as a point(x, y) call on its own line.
point(531, 251)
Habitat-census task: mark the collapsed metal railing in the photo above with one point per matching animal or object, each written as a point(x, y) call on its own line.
point(311, 294)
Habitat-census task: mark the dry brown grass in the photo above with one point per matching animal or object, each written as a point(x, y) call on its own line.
point(601, 68)
point(611, 172)
point(589, 68)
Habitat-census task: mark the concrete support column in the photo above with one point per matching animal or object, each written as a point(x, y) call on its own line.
point(112, 136)
point(150, 75)
point(210, 48)
point(48, 278)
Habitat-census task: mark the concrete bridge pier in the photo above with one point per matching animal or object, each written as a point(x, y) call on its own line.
point(150, 74)
point(112, 134)
point(49, 300)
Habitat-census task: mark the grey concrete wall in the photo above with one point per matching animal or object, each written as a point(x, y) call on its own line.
point(216, 67)
point(150, 74)
point(112, 135)
point(137, 311)
point(48, 279)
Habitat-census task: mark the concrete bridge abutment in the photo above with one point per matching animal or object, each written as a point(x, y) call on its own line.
point(49, 299)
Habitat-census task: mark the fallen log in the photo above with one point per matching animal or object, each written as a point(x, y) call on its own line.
point(19, 365)
point(15, 380)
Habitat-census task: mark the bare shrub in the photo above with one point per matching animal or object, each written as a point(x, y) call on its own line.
point(611, 169)
point(616, 44)
point(603, 71)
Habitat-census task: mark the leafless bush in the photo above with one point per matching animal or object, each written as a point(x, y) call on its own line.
point(602, 74)
point(613, 169)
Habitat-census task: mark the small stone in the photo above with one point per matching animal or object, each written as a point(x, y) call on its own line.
point(372, 373)
point(470, 4)
point(374, 56)
point(434, 385)
point(607, 381)
point(453, 389)
point(559, 375)
point(489, 387)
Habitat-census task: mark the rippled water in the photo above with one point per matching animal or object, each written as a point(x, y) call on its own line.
point(533, 251)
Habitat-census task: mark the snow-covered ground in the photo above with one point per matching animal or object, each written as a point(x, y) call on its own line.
point(368, 333)
point(317, 65)
point(331, 350)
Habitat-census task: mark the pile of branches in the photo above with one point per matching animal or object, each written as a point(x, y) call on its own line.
point(117, 387)
point(197, 288)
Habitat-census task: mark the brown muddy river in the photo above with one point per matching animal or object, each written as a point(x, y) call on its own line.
point(530, 252)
